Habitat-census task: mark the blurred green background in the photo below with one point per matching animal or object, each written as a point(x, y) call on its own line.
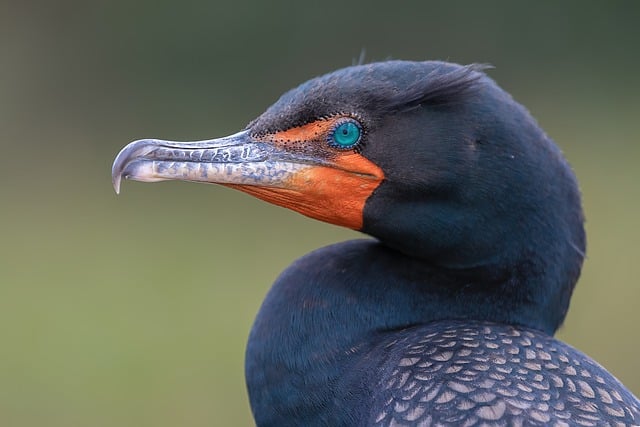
point(134, 310)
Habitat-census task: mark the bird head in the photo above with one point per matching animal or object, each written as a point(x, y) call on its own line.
point(431, 158)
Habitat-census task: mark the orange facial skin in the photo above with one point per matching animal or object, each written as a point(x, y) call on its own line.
point(317, 131)
point(333, 190)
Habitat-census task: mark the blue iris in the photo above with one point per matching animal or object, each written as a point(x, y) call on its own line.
point(346, 134)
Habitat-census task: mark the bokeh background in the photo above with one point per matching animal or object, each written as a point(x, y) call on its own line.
point(134, 310)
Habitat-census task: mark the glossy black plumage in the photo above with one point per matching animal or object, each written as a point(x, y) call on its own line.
point(331, 346)
point(447, 317)
point(490, 233)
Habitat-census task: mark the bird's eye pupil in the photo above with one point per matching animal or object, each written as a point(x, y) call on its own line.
point(346, 134)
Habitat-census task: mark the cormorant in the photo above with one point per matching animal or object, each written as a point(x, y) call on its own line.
point(446, 317)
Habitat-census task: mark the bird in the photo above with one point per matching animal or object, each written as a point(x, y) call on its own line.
point(444, 314)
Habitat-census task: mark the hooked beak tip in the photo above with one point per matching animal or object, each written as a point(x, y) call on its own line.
point(116, 175)
point(125, 157)
point(116, 183)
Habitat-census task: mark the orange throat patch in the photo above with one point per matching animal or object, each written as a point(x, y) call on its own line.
point(335, 193)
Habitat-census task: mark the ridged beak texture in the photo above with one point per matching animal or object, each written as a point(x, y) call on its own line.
point(234, 159)
point(310, 179)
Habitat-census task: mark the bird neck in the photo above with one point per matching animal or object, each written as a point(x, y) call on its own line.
point(334, 304)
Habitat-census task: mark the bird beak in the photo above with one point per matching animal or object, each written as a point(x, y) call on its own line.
point(311, 182)
point(235, 159)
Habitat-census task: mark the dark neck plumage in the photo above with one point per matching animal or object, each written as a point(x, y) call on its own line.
point(332, 307)
point(476, 220)
point(502, 215)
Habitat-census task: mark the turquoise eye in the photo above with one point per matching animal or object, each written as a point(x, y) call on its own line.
point(345, 135)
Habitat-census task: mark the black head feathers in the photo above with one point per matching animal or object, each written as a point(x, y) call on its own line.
point(371, 90)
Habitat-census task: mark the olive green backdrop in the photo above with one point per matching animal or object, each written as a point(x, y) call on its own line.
point(134, 310)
